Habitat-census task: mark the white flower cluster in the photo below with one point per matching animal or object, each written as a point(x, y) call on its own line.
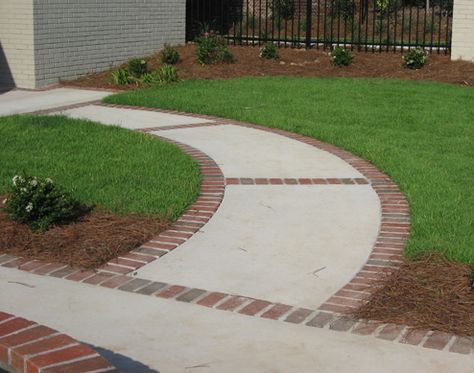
point(29, 207)
point(17, 179)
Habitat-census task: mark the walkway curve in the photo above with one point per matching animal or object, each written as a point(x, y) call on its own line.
point(386, 254)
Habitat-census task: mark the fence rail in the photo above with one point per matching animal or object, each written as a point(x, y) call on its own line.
point(369, 25)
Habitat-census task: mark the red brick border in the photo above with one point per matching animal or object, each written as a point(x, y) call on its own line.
point(28, 347)
point(294, 181)
point(386, 256)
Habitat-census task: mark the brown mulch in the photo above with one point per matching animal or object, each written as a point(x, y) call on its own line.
point(430, 293)
point(300, 62)
point(88, 243)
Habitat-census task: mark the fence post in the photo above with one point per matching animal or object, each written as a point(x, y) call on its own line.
point(309, 21)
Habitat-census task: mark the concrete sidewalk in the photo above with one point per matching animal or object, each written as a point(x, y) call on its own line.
point(21, 101)
point(283, 242)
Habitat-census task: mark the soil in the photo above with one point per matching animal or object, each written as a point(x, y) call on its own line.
point(90, 242)
point(300, 62)
point(430, 293)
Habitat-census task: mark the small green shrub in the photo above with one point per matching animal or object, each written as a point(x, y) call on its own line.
point(120, 76)
point(212, 48)
point(415, 59)
point(137, 67)
point(269, 51)
point(169, 55)
point(167, 74)
point(147, 79)
point(40, 203)
point(341, 56)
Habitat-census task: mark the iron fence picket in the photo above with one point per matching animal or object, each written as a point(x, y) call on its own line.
point(395, 25)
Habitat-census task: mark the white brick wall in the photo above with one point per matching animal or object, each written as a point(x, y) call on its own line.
point(463, 30)
point(16, 44)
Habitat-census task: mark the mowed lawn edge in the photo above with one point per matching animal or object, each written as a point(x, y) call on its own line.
point(420, 133)
point(117, 169)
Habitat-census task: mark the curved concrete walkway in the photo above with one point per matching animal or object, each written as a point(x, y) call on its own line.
point(294, 227)
point(293, 244)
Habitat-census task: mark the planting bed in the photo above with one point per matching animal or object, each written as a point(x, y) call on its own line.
point(137, 182)
point(90, 242)
point(300, 62)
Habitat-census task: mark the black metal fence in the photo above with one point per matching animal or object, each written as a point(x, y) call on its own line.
point(369, 25)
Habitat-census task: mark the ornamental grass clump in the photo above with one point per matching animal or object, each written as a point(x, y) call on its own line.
point(415, 59)
point(211, 48)
point(40, 203)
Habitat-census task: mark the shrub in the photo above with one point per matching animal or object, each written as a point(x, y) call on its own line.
point(415, 59)
point(169, 55)
point(137, 67)
point(283, 9)
point(269, 51)
point(167, 74)
point(120, 76)
point(212, 48)
point(341, 56)
point(40, 203)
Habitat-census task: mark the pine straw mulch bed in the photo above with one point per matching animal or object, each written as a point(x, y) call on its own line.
point(430, 293)
point(300, 62)
point(90, 242)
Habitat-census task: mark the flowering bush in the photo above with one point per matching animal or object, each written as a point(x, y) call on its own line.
point(137, 67)
point(341, 57)
point(415, 59)
point(212, 48)
point(40, 203)
point(269, 51)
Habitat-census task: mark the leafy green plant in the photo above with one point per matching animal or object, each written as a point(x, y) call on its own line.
point(341, 56)
point(212, 48)
point(269, 51)
point(382, 5)
point(169, 55)
point(120, 76)
point(415, 59)
point(167, 74)
point(137, 67)
point(40, 203)
point(283, 9)
point(147, 79)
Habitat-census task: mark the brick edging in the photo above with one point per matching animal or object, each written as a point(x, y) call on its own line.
point(387, 252)
point(386, 255)
point(28, 347)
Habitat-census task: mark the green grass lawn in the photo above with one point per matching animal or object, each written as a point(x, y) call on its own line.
point(419, 133)
point(120, 170)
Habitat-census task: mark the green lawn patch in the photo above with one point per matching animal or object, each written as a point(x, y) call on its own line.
point(117, 169)
point(419, 133)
